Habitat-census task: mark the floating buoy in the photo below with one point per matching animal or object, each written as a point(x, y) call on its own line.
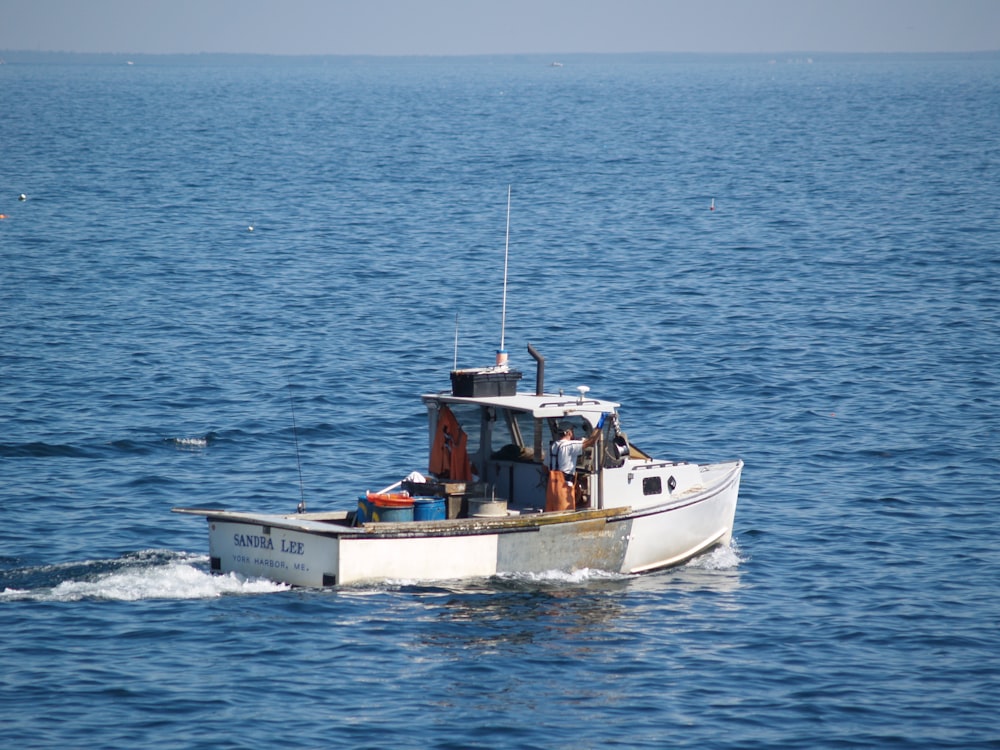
point(250, 228)
point(712, 207)
point(22, 197)
point(3, 216)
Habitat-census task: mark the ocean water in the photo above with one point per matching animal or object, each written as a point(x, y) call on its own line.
point(834, 321)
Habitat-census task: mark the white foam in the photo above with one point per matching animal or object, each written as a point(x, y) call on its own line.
point(190, 443)
point(719, 558)
point(558, 576)
point(451, 585)
point(177, 579)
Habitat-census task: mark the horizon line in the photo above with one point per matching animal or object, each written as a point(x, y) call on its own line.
point(547, 55)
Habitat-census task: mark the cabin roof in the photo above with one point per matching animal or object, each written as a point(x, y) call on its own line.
point(542, 407)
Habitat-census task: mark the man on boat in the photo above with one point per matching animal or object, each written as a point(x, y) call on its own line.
point(560, 493)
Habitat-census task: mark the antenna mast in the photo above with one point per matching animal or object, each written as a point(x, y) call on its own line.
point(298, 459)
point(502, 353)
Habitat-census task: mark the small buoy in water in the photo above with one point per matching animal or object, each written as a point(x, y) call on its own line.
point(250, 228)
point(22, 197)
point(712, 207)
point(3, 216)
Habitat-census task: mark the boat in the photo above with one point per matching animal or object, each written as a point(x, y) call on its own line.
point(497, 497)
point(480, 509)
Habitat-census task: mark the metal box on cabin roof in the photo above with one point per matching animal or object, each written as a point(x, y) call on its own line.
point(479, 383)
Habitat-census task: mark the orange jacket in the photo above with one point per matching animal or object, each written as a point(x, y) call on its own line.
point(449, 451)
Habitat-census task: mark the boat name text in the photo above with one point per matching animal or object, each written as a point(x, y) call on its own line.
point(260, 541)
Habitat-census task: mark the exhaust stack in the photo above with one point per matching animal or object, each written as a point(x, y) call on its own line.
point(540, 372)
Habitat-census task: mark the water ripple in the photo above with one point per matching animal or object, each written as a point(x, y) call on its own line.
point(833, 322)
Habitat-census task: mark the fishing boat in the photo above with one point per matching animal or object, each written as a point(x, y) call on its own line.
point(507, 490)
point(480, 507)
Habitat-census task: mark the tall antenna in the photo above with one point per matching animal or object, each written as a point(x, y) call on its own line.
point(502, 354)
point(298, 460)
point(455, 366)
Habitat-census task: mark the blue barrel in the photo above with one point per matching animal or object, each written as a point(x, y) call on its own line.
point(429, 509)
point(364, 514)
point(392, 513)
point(383, 509)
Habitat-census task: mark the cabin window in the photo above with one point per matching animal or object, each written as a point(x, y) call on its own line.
point(469, 417)
point(652, 486)
point(581, 427)
point(512, 435)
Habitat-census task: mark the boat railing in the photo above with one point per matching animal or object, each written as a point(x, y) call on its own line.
point(570, 402)
point(649, 465)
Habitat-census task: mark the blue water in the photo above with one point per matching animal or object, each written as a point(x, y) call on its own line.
point(835, 322)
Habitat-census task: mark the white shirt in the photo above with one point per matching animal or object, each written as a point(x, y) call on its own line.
point(563, 455)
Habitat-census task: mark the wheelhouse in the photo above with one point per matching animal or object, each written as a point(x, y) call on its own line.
point(503, 442)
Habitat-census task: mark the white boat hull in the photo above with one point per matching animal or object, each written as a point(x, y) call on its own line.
point(324, 549)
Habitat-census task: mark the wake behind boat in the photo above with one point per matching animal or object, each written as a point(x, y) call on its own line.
point(486, 505)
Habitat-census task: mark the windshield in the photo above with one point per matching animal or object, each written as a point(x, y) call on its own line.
point(512, 436)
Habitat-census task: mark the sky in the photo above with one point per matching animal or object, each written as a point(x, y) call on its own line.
point(473, 27)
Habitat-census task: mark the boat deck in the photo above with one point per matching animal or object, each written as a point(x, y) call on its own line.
point(340, 523)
